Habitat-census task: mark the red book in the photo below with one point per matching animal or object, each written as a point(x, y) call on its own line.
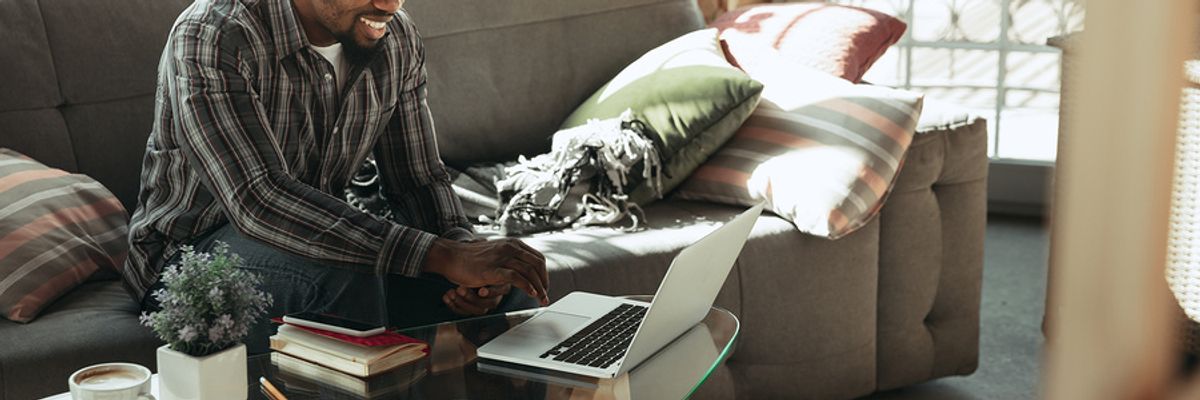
point(387, 338)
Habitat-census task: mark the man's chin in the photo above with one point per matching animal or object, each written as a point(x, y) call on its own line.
point(358, 49)
point(366, 45)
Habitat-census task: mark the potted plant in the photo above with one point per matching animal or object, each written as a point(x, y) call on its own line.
point(208, 307)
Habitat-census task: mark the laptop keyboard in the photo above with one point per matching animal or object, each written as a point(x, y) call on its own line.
point(602, 342)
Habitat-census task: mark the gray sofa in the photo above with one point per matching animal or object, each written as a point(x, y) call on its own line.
point(893, 304)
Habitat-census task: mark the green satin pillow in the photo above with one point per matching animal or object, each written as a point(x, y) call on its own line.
point(688, 95)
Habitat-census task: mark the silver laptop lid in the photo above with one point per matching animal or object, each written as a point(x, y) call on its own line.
point(690, 287)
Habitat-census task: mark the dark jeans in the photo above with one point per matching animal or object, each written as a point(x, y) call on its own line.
point(300, 284)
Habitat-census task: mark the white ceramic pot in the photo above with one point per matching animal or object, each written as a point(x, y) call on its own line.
point(220, 376)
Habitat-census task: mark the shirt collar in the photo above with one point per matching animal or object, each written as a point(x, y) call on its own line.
point(286, 32)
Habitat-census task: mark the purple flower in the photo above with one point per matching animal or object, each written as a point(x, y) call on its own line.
point(216, 333)
point(187, 333)
point(145, 319)
point(224, 321)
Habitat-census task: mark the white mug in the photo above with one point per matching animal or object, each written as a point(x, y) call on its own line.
point(111, 381)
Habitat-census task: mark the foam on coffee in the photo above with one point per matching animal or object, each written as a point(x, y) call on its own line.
point(109, 379)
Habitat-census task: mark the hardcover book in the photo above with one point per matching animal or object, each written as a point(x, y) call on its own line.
point(354, 359)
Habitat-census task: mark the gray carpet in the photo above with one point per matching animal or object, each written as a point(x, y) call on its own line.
point(1010, 343)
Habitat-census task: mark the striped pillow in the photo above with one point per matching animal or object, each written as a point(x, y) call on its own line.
point(56, 230)
point(819, 150)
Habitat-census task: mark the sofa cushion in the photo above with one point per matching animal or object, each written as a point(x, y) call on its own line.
point(29, 120)
point(109, 50)
point(841, 40)
point(56, 230)
point(95, 323)
point(503, 74)
point(81, 82)
point(28, 74)
point(40, 134)
point(98, 126)
point(821, 151)
point(107, 55)
point(688, 95)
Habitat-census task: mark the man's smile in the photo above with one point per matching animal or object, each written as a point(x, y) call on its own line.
point(374, 29)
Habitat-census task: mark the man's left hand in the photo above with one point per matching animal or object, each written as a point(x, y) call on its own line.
point(475, 301)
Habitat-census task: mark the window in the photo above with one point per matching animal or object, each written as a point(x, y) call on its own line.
point(988, 55)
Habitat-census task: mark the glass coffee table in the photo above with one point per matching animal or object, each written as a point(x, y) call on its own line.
point(452, 371)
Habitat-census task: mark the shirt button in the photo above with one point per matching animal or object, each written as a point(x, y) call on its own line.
point(328, 76)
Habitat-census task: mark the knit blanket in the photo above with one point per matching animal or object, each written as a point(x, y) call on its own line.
point(581, 181)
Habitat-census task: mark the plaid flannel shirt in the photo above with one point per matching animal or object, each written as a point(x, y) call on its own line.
point(250, 129)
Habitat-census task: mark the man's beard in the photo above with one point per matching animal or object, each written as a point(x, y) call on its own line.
point(355, 53)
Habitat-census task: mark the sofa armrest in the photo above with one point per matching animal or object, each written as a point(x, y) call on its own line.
point(931, 251)
point(940, 116)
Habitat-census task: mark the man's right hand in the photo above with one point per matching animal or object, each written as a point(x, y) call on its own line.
point(494, 262)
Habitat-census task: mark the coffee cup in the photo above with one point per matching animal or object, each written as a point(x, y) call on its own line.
point(111, 381)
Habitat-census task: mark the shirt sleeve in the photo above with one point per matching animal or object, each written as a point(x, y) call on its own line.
point(229, 143)
point(413, 176)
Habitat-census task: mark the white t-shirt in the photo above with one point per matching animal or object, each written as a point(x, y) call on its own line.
point(334, 54)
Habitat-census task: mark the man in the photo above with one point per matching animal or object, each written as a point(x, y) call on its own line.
point(265, 111)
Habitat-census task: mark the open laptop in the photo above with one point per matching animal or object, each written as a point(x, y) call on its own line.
point(602, 336)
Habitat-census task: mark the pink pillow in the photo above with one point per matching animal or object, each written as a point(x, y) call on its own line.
point(840, 40)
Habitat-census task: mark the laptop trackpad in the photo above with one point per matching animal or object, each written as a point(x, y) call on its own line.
point(551, 325)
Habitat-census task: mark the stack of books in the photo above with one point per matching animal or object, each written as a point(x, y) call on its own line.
point(362, 357)
point(367, 367)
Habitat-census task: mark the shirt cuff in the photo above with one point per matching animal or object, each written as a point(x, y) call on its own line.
point(459, 235)
point(404, 251)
